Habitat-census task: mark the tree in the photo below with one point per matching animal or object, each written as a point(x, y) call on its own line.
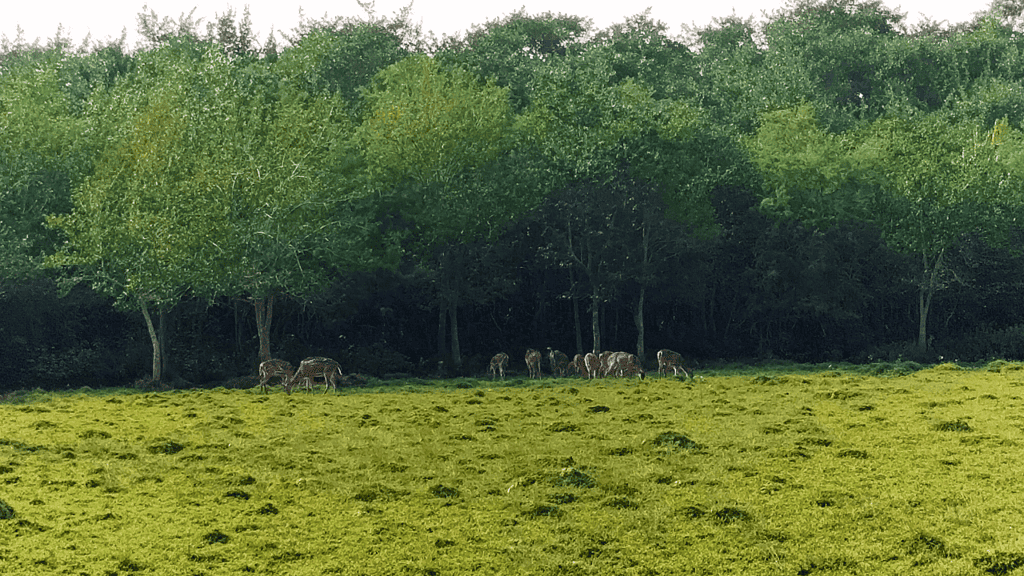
point(607, 140)
point(943, 181)
point(343, 58)
point(927, 182)
point(219, 180)
point(47, 146)
point(514, 49)
point(425, 127)
point(838, 43)
point(640, 48)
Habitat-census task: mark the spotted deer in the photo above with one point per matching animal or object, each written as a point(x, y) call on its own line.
point(310, 368)
point(498, 364)
point(628, 365)
point(559, 362)
point(578, 366)
point(669, 359)
point(605, 363)
point(533, 362)
point(274, 368)
point(592, 364)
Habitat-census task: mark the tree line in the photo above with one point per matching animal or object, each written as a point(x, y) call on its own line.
point(824, 183)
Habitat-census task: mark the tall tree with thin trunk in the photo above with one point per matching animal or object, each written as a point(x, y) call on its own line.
point(220, 179)
point(427, 126)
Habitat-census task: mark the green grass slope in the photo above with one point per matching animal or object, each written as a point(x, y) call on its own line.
point(835, 472)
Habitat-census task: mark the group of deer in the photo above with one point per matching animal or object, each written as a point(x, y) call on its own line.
point(591, 365)
point(309, 370)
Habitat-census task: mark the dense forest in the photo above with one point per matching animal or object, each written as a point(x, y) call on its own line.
point(824, 183)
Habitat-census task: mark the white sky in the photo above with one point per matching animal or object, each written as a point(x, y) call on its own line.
point(40, 18)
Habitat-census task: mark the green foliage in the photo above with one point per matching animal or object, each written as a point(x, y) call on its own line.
point(342, 61)
point(218, 179)
point(641, 48)
point(514, 49)
point(46, 149)
point(809, 173)
point(428, 124)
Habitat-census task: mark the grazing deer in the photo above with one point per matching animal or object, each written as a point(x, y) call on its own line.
point(669, 359)
point(559, 362)
point(622, 364)
point(628, 365)
point(498, 364)
point(578, 366)
point(607, 362)
point(533, 362)
point(592, 364)
point(310, 368)
point(273, 368)
point(605, 358)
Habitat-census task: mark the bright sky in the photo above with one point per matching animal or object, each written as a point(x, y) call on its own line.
point(40, 18)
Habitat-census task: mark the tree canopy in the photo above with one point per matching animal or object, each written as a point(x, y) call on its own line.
point(826, 169)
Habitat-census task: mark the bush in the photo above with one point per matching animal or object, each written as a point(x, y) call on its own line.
point(987, 343)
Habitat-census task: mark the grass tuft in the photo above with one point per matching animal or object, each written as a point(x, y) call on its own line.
point(957, 425)
point(165, 447)
point(215, 537)
point(999, 563)
point(675, 440)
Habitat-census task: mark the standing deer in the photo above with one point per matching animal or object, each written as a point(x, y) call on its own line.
point(605, 358)
point(498, 364)
point(559, 362)
point(578, 365)
point(669, 359)
point(310, 368)
point(592, 363)
point(273, 368)
point(533, 362)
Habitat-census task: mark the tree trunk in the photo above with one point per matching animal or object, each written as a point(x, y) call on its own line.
point(638, 313)
point(576, 325)
point(154, 339)
point(638, 319)
point(238, 327)
point(576, 313)
point(166, 369)
point(595, 317)
point(264, 315)
point(924, 299)
point(453, 313)
point(442, 329)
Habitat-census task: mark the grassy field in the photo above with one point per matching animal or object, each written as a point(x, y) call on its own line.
point(741, 472)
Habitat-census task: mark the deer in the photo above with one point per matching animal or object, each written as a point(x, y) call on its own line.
point(669, 359)
point(592, 365)
point(533, 362)
point(605, 360)
point(628, 365)
point(498, 364)
point(559, 362)
point(622, 364)
point(273, 368)
point(578, 365)
point(315, 366)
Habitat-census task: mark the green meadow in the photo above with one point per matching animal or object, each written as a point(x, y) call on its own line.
point(802, 471)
